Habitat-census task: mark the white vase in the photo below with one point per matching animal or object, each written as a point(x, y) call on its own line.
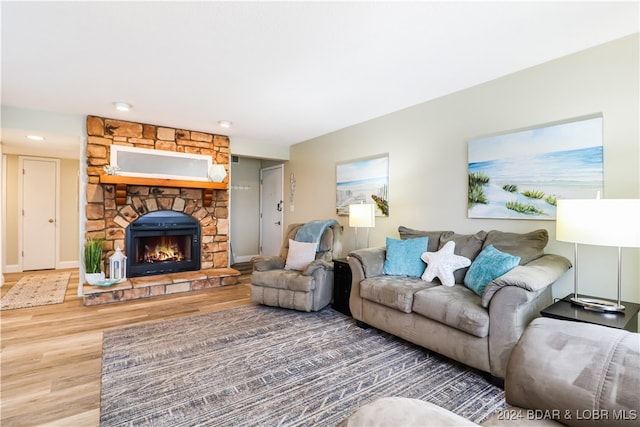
point(93, 278)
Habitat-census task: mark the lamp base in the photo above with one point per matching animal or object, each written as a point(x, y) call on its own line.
point(596, 304)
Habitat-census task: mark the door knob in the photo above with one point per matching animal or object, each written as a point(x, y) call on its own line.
point(277, 223)
point(51, 220)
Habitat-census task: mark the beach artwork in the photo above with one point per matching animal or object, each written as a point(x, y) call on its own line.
point(363, 181)
point(521, 175)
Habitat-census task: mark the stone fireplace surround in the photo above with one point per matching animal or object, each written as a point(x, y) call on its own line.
point(105, 218)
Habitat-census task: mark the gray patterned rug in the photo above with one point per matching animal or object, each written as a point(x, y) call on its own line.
point(263, 366)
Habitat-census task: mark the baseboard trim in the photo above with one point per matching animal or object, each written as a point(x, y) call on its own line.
point(244, 258)
point(14, 268)
point(68, 264)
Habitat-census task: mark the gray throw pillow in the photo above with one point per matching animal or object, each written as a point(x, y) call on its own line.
point(467, 245)
point(434, 236)
point(528, 246)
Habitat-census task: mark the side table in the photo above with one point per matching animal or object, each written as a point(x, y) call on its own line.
point(341, 285)
point(563, 309)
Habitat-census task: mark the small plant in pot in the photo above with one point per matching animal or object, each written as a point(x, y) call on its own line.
point(93, 260)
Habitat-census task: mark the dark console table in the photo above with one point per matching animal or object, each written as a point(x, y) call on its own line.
point(341, 285)
point(563, 309)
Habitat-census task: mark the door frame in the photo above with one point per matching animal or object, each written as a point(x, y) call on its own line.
point(21, 160)
point(262, 201)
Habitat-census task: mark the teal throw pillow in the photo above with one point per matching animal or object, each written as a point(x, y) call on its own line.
point(488, 265)
point(403, 257)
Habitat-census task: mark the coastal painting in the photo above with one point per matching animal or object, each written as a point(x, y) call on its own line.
point(521, 175)
point(363, 181)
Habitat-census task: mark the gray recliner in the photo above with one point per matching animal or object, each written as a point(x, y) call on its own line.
point(307, 290)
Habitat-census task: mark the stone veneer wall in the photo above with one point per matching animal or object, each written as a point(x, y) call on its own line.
point(106, 219)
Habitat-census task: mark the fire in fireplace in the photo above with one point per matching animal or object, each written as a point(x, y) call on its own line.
point(163, 248)
point(162, 242)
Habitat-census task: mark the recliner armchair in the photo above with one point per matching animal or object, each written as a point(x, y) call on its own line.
point(309, 289)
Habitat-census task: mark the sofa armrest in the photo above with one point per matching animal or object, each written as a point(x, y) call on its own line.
point(371, 260)
point(266, 263)
point(511, 310)
point(364, 263)
point(534, 276)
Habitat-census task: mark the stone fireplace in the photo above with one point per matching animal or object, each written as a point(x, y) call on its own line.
point(162, 242)
point(117, 205)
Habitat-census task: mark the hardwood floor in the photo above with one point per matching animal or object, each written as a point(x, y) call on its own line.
point(51, 355)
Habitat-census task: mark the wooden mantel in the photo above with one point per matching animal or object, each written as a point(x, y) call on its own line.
point(121, 182)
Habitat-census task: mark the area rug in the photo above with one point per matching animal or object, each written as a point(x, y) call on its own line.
point(264, 366)
point(35, 290)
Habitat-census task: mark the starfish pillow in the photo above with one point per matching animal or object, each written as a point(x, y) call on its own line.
point(443, 263)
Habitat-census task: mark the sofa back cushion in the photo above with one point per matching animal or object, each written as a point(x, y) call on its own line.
point(434, 236)
point(467, 245)
point(527, 246)
point(330, 245)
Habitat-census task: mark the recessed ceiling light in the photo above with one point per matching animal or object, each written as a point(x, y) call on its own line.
point(225, 124)
point(35, 137)
point(122, 106)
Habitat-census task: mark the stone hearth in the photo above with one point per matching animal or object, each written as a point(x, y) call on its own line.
point(163, 284)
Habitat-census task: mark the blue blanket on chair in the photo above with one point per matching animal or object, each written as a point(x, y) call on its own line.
point(311, 232)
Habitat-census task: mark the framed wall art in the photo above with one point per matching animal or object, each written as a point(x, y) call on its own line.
point(520, 175)
point(363, 181)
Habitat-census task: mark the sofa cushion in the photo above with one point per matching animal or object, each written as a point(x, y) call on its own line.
point(528, 246)
point(467, 245)
point(455, 306)
point(434, 236)
point(284, 279)
point(488, 265)
point(403, 411)
point(393, 291)
point(403, 257)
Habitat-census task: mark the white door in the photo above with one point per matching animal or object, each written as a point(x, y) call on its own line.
point(39, 177)
point(271, 207)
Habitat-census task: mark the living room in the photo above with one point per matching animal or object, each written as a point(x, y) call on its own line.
point(427, 143)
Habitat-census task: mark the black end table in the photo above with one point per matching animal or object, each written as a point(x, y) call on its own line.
point(341, 285)
point(564, 310)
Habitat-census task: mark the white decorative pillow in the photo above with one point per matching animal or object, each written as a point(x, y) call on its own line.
point(443, 263)
point(300, 255)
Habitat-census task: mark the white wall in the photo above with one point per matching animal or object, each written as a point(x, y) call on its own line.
point(427, 147)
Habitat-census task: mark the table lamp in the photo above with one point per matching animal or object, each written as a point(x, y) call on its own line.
point(602, 222)
point(362, 215)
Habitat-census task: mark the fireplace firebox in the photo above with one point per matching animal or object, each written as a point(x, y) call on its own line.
point(162, 242)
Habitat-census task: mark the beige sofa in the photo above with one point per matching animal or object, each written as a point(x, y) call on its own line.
point(479, 331)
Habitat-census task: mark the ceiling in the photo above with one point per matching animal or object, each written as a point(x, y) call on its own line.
point(282, 72)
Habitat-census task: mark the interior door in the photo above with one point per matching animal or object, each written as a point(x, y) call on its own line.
point(39, 177)
point(271, 207)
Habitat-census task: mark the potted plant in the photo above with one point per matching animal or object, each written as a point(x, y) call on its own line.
point(93, 260)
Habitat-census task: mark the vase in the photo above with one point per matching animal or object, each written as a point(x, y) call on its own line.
point(93, 278)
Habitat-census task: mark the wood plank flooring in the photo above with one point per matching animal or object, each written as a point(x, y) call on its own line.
point(51, 356)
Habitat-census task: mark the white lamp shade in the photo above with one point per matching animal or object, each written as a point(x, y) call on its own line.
point(602, 222)
point(362, 215)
